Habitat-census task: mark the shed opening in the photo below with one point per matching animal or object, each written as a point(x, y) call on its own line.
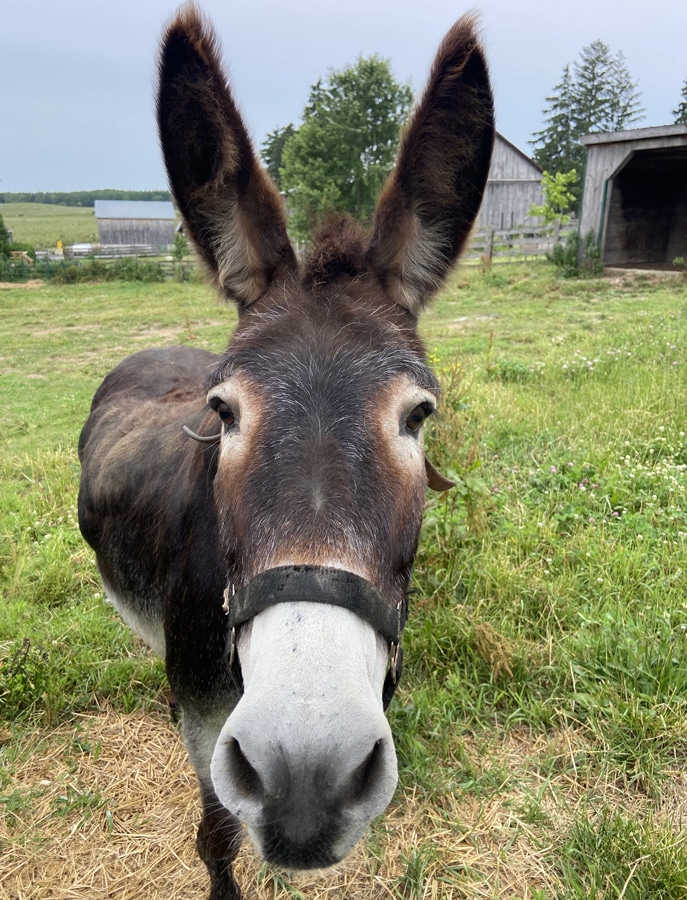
point(646, 223)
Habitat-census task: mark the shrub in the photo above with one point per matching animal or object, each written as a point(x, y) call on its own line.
point(17, 246)
point(130, 268)
point(575, 263)
point(127, 268)
point(4, 240)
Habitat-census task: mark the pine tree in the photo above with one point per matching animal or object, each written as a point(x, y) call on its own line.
point(681, 112)
point(599, 95)
point(560, 150)
point(273, 149)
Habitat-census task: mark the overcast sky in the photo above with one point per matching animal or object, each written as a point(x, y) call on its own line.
point(78, 76)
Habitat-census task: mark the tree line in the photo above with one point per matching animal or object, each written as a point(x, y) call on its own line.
point(81, 198)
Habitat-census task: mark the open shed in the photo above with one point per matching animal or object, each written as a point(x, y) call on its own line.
point(513, 185)
point(635, 195)
point(135, 222)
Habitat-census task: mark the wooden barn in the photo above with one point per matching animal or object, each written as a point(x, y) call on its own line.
point(514, 184)
point(135, 222)
point(635, 195)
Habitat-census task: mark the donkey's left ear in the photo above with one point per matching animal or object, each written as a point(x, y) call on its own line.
point(232, 211)
point(432, 198)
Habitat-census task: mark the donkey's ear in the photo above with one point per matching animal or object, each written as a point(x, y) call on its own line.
point(232, 211)
point(430, 202)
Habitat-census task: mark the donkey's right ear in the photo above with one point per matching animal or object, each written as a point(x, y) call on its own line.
point(430, 202)
point(232, 211)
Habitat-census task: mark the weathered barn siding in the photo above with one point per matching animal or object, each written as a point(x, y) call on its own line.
point(135, 222)
point(635, 195)
point(513, 185)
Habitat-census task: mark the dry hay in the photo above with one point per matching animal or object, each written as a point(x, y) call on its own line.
point(107, 808)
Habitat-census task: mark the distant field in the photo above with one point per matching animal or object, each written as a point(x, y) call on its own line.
point(43, 224)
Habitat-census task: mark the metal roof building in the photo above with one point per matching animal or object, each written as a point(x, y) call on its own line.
point(135, 222)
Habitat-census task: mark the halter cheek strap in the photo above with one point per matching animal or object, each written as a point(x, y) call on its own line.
point(318, 584)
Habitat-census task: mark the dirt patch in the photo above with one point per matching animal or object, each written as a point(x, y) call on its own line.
point(108, 809)
point(34, 283)
point(464, 323)
point(621, 277)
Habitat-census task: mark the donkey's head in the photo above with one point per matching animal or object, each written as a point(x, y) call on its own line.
point(320, 397)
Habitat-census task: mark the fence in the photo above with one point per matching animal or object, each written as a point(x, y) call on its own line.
point(113, 251)
point(515, 244)
point(136, 262)
point(71, 271)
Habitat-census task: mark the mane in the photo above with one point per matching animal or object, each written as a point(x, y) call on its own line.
point(338, 251)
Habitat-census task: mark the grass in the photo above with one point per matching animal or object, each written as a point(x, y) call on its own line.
point(540, 725)
point(43, 224)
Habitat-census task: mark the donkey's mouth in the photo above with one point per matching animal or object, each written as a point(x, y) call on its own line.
point(292, 854)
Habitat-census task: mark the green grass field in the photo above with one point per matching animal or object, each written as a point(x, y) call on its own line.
point(541, 724)
point(43, 224)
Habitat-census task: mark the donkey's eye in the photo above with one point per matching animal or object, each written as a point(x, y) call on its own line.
point(224, 411)
point(418, 416)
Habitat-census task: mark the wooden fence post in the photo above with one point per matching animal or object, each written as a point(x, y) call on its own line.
point(489, 246)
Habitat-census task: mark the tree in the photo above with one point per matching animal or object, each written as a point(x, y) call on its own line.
point(599, 95)
point(340, 156)
point(272, 151)
point(179, 251)
point(559, 144)
point(558, 197)
point(4, 240)
point(681, 112)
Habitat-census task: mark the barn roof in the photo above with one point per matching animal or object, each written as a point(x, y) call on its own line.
point(634, 134)
point(511, 146)
point(134, 209)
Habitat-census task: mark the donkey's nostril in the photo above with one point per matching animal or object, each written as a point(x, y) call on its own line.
point(366, 774)
point(244, 776)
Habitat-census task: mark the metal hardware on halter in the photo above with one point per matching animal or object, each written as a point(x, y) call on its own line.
point(232, 648)
point(229, 592)
point(393, 661)
point(207, 439)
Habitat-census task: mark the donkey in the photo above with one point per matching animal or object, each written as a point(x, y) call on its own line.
point(255, 515)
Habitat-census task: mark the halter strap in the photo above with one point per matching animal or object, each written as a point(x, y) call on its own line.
point(317, 584)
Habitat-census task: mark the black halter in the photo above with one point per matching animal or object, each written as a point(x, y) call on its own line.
point(318, 584)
